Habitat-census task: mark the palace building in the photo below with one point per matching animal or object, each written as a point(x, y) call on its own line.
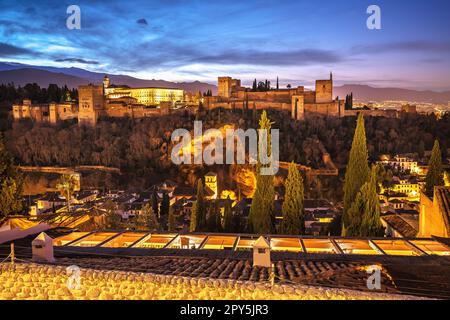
point(299, 102)
point(145, 96)
point(119, 101)
point(95, 101)
point(45, 112)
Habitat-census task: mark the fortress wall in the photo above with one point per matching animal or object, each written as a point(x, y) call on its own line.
point(48, 282)
point(260, 105)
point(323, 109)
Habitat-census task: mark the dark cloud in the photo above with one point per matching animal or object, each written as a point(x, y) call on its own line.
point(418, 46)
point(77, 60)
point(286, 58)
point(8, 50)
point(142, 22)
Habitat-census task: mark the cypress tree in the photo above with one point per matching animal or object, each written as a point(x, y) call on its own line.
point(228, 217)
point(218, 216)
point(198, 216)
point(371, 225)
point(262, 217)
point(278, 84)
point(11, 184)
point(171, 221)
point(296, 110)
point(255, 114)
point(246, 104)
point(165, 205)
point(357, 172)
point(155, 205)
point(435, 176)
point(211, 219)
point(236, 223)
point(293, 210)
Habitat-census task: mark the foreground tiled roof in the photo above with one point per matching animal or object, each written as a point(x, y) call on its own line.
point(320, 273)
point(422, 275)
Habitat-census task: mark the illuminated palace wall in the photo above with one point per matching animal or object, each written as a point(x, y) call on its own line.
point(298, 101)
point(48, 282)
point(95, 101)
point(146, 96)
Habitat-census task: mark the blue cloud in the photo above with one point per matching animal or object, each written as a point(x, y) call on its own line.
point(181, 37)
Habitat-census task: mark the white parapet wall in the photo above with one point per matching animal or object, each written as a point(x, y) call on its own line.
point(50, 282)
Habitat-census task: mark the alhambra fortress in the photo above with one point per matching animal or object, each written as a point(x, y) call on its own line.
point(109, 100)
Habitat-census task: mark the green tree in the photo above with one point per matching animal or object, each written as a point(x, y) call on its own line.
point(357, 172)
point(171, 221)
point(293, 210)
point(198, 216)
point(262, 216)
point(211, 217)
point(228, 217)
point(155, 204)
point(66, 186)
point(254, 114)
point(146, 219)
point(365, 211)
point(11, 186)
point(371, 225)
point(112, 218)
point(435, 174)
point(165, 205)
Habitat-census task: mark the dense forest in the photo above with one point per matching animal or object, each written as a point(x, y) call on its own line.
point(141, 147)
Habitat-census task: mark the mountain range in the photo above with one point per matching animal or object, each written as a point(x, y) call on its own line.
point(21, 74)
point(367, 93)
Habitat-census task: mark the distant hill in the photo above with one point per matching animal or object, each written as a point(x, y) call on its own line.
point(22, 74)
point(367, 93)
point(41, 77)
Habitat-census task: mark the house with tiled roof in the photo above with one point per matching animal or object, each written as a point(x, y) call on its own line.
point(397, 227)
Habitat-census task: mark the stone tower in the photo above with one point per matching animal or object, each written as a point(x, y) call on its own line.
point(225, 84)
point(324, 90)
point(106, 82)
point(91, 104)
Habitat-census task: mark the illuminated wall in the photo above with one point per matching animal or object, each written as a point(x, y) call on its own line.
point(432, 215)
point(147, 96)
